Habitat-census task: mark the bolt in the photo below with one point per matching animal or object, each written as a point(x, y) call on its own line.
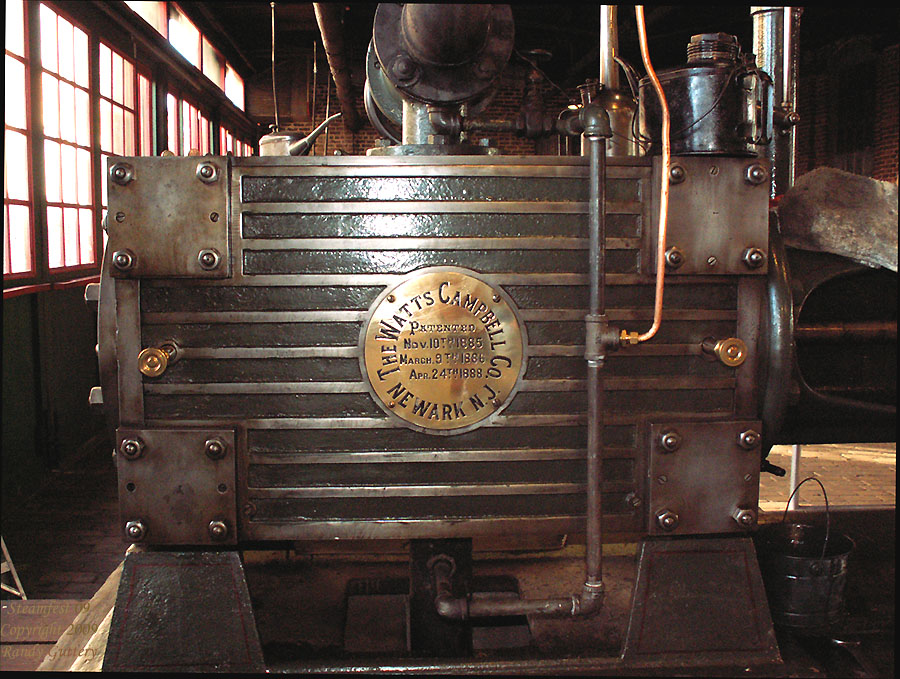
point(662, 479)
point(744, 517)
point(121, 173)
point(218, 531)
point(120, 217)
point(391, 298)
point(215, 448)
point(754, 257)
point(667, 519)
point(132, 449)
point(496, 298)
point(748, 440)
point(670, 441)
point(404, 67)
point(674, 257)
point(633, 500)
point(711, 261)
point(714, 170)
point(207, 172)
point(748, 477)
point(755, 174)
point(213, 216)
point(677, 174)
point(123, 260)
point(208, 259)
point(135, 530)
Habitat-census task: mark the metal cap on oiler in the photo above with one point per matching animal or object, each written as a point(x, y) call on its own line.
point(712, 47)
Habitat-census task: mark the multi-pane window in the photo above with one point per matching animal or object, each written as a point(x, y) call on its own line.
point(171, 23)
point(67, 142)
point(18, 240)
point(125, 111)
point(188, 129)
point(229, 144)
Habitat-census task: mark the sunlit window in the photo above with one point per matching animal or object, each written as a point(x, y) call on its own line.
point(184, 36)
point(18, 230)
point(234, 87)
point(67, 142)
point(154, 13)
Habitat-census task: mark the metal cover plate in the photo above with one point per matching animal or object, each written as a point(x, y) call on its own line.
point(714, 212)
point(175, 489)
point(168, 216)
point(705, 479)
point(443, 351)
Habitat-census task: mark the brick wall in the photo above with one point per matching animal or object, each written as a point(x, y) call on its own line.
point(505, 104)
point(817, 92)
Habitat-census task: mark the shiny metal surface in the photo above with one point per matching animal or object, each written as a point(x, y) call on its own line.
point(443, 351)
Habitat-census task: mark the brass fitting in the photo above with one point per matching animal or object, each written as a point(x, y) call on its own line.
point(731, 351)
point(628, 337)
point(153, 361)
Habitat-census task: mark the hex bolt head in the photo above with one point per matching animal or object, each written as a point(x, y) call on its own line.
point(207, 172)
point(745, 518)
point(749, 439)
point(755, 174)
point(135, 530)
point(131, 448)
point(670, 441)
point(123, 260)
point(404, 68)
point(208, 259)
point(215, 448)
point(754, 258)
point(667, 520)
point(217, 529)
point(674, 257)
point(677, 174)
point(121, 173)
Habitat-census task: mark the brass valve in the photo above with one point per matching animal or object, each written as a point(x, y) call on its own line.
point(153, 361)
point(732, 351)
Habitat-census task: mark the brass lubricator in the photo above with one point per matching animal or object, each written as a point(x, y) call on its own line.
point(731, 351)
point(153, 361)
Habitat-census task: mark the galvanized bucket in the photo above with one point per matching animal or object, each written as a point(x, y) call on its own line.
point(804, 570)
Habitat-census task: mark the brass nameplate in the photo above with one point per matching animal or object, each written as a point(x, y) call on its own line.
point(443, 351)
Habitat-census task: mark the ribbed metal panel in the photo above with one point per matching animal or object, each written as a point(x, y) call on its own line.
point(274, 351)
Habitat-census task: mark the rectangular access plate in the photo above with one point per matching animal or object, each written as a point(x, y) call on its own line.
point(705, 479)
point(165, 215)
point(174, 488)
point(713, 212)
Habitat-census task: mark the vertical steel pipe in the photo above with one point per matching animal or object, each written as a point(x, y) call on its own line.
point(775, 37)
point(609, 47)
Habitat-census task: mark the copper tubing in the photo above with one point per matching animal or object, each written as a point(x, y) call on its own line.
point(664, 192)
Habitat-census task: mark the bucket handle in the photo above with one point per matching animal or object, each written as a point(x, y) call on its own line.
point(827, 510)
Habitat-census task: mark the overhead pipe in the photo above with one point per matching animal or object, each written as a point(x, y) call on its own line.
point(328, 16)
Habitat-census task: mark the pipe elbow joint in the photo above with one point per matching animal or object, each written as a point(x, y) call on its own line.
point(595, 119)
point(589, 602)
point(452, 608)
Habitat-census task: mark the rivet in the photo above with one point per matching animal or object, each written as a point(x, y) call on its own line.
point(208, 259)
point(121, 173)
point(677, 174)
point(218, 531)
point(674, 257)
point(712, 261)
point(215, 448)
point(662, 480)
point(131, 448)
point(754, 258)
point(670, 441)
point(496, 298)
point(123, 260)
point(391, 298)
point(207, 172)
point(120, 217)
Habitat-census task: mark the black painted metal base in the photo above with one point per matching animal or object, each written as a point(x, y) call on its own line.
point(183, 612)
point(699, 601)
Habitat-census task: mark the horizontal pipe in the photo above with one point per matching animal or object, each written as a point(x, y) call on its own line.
point(865, 331)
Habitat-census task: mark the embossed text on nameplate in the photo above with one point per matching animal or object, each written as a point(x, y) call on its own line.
point(443, 350)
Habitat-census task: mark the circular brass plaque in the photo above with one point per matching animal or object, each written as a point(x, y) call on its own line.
point(443, 350)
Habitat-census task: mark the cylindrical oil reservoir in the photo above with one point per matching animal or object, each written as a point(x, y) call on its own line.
point(719, 103)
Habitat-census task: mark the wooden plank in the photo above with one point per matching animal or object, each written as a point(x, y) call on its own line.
point(86, 647)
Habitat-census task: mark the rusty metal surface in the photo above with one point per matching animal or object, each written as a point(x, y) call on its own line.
point(699, 600)
point(704, 479)
point(175, 488)
point(170, 214)
point(183, 612)
point(714, 212)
